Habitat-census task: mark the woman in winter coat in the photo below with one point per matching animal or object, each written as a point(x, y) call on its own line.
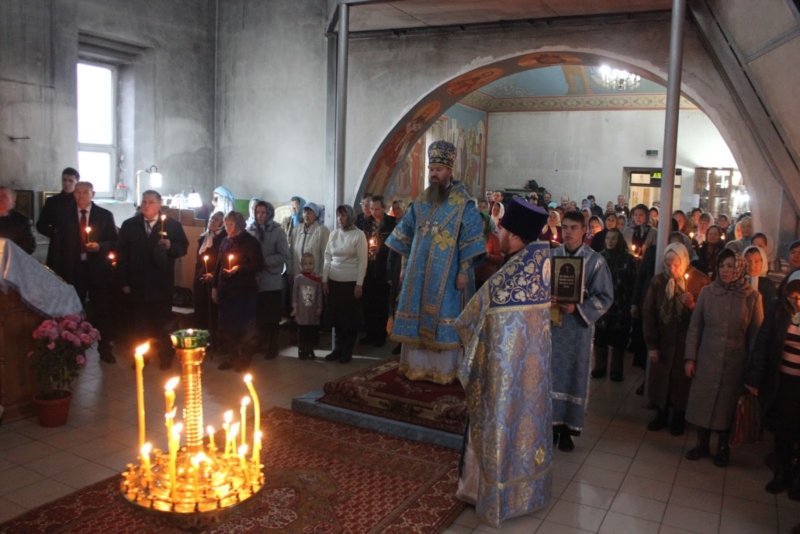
point(667, 311)
point(774, 376)
point(757, 267)
point(311, 237)
point(614, 327)
point(275, 250)
point(721, 334)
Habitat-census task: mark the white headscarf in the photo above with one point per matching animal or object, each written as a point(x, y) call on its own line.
point(496, 220)
point(683, 256)
point(553, 229)
point(764, 265)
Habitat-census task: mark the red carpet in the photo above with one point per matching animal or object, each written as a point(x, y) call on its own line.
point(321, 478)
point(380, 391)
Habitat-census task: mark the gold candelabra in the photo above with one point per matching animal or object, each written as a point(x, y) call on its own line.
point(196, 483)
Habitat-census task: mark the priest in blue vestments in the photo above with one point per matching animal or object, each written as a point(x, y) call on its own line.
point(441, 236)
point(505, 370)
point(572, 341)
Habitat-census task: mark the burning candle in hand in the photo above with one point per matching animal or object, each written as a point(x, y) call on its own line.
point(88, 234)
point(230, 261)
point(163, 230)
point(205, 261)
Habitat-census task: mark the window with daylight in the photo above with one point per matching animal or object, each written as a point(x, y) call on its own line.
point(97, 125)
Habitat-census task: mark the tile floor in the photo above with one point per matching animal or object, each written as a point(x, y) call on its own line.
point(619, 479)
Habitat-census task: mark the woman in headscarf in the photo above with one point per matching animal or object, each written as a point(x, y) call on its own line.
point(757, 267)
point(611, 221)
point(275, 251)
point(667, 311)
point(309, 237)
point(709, 251)
point(721, 335)
point(346, 258)
point(596, 236)
point(252, 211)
point(774, 376)
point(641, 235)
point(614, 327)
point(493, 259)
point(653, 214)
point(236, 293)
point(497, 211)
point(552, 230)
point(205, 311)
point(223, 200)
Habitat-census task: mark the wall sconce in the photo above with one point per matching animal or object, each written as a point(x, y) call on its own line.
point(194, 200)
point(156, 180)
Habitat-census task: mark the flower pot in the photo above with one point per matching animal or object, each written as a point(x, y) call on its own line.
point(54, 412)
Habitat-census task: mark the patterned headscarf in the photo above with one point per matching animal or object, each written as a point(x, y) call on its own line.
point(239, 222)
point(671, 307)
point(739, 270)
point(350, 214)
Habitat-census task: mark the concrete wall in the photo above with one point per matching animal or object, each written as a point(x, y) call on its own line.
point(168, 120)
point(272, 76)
point(578, 153)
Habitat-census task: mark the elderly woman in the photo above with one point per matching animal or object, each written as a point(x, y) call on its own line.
point(493, 259)
point(614, 327)
point(667, 311)
point(311, 237)
point(596, 236)
point(721, 334)
point(205, 311)
point(236, 292)
point(275, 251)
point(757, 274)
point(552, 230)
point(774, 376)
point(346, 258)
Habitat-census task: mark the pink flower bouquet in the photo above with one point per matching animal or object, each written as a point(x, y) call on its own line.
point(61, 345)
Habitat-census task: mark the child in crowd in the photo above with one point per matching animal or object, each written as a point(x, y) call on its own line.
point(307, 307)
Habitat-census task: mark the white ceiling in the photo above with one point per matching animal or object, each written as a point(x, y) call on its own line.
point(397, 14)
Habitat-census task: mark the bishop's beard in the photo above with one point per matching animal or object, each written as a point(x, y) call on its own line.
point(437, 193)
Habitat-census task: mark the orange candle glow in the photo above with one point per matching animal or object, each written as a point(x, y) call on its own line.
point(230, 261)
point(139, 361)
point(88, 234)
point(245, 402)
point(248, 379)
point(205, 260)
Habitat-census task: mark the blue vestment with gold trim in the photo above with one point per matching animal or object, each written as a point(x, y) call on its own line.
point(505, 371)
point(439, 240)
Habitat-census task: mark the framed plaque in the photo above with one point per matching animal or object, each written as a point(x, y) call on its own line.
point(568, 280)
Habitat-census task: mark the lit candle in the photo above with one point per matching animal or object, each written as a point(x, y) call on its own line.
point(196, 476)
point(212, 447)
point(691, 235)
point(111, 256)
point(686, 277)
point(170, 417)
point(88, 232)
point(205, 260)
point(256, 447)
point(227, 427)
point(174, 445)
point(243, 415)
point(139, 361)
point(230, 261)
point(243, 463)
point(145, 457)
point(248, 379)
point(169, 392)
point(722, 237)
point(163, 230)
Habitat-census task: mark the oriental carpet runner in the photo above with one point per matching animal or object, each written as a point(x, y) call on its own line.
point(321, 478)
point(381, 391)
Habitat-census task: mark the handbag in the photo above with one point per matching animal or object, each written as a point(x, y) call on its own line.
point(747, 423)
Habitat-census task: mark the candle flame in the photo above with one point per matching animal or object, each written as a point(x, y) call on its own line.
point(230, 257)
point(146, 448)
point(111, 256)
point(171, 415)
point(245, 401)
point(177, 429)
point(686, 276)
point(228, 416)
point(210, 430)
point(205, 258)
point(141, 349)
point(172, 383)
point(257, 435)
point(248, 378)
point(234, 430)
point(190, 331)
point(88, 229)
point(163, 218)
point(196, 461)
point(243, 449)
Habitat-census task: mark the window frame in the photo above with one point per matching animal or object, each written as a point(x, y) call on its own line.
point(113, 149)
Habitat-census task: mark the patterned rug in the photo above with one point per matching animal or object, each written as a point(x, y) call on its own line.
point(381, 391)
point(321, 478)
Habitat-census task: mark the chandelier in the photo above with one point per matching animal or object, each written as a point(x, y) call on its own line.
point(617, 79)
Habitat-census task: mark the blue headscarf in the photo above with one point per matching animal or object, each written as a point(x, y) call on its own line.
point(313, 207)
point(298, 217)
point(227, 202)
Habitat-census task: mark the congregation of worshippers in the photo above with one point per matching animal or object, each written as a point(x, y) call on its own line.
point(460, 289)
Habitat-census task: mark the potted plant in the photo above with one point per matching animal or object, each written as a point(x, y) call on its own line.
point(60, 353)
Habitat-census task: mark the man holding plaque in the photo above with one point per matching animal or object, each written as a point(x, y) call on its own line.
point(505, 371)
point(583, 291)
point(442, 237)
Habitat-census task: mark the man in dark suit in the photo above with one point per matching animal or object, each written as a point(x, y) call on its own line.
point(148, 245)
point(377, 291)
point(79, 254)
point(56, 207)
